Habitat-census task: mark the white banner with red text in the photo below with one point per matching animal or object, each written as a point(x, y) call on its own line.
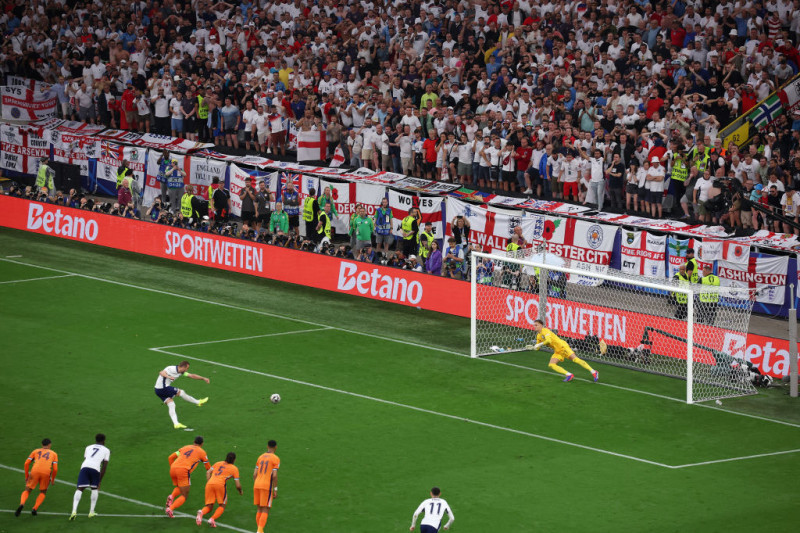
point(20, 103)
point(765, 273)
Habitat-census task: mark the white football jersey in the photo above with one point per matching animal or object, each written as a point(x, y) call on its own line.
point(94, 456)
point(434, 511)
point(172, 374)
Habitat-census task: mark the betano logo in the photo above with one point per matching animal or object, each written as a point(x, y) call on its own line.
point(376, 284)
point(60, 224)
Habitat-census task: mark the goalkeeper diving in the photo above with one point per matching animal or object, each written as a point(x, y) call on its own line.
point(561, 351)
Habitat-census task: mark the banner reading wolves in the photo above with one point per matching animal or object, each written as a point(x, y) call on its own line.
point(430, 207)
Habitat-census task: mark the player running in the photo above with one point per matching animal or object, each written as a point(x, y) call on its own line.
point(217, 490)
point(561, 351)
point(167, 392)
point(265, 486)
point(182, 463)
point(93, 468)
point(43, 473)
point(434, 508)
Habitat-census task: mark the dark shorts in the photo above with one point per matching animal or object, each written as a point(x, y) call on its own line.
point(509, 176)
point(294, 221)
point(248, 216)
point(88, 477)
point(188, 123)
point(263, 218)
point(166, 393)
point(248, 136)
point(655, 197)
point(643, 194)
point(427, 529)
point(227, 131)
point(632, 188)
point(534, 174)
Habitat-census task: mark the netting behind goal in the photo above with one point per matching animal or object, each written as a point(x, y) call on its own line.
point(646, 324)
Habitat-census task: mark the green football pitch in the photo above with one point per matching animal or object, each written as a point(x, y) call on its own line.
point(379, 405)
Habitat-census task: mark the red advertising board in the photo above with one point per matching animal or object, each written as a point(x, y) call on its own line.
point(377, 282)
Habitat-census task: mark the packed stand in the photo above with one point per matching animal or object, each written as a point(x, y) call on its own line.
point(617, 105)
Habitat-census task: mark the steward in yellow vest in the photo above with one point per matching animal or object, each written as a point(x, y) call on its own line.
point(708, 299)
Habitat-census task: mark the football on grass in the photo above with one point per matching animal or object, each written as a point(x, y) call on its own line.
point(275, 398)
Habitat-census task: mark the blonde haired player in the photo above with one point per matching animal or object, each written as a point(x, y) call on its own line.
point(561, 351)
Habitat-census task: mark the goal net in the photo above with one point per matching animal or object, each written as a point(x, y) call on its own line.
point(652, 325)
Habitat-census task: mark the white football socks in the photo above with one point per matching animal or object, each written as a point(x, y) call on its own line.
point(172, 414)
point(95, 494)
point(76, 499)
point(188, 398)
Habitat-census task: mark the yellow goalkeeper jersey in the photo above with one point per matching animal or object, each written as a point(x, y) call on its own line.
point(549, 338)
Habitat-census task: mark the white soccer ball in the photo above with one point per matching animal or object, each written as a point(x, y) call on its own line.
point(275, 398)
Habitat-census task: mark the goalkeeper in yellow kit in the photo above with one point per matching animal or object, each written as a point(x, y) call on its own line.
point(561, 351)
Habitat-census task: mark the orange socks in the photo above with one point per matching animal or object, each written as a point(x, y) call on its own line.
point(176, 492)
point(205, 510)
point(218, 512)
point(39, 500)
point(24, 497)
point(177, 503)
point(262, 520)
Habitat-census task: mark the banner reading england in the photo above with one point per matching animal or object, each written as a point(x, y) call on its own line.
point(643, 254)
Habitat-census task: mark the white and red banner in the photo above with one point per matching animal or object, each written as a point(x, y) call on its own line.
point(719, 250)
point(26, 83)
point(202, 171)
point(338, 157)
point(491, 228)
point(20, 103)
point(239, 178)
point(767, 274)
point(643, 254)
point(430, 208)
point(111, 157)
point(584, 243)
point(72, 141)
point(151, 140)
point(22, 149)
point(346, 196)
point(312, 146)
point(573, 320)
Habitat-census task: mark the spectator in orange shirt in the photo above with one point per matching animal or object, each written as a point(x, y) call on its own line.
point(43, 473)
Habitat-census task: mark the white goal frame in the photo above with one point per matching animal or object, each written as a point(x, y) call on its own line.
point(544, 268)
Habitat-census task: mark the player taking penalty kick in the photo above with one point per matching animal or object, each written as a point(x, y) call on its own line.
point(182, 463)
point(265, 486)
point(561, 351)
point(216, 489)
point(43, 473)
point(167, 392)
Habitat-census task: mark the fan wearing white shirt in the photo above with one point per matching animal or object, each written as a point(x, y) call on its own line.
point(93, 468)
point(167, 392)
point(434, 508)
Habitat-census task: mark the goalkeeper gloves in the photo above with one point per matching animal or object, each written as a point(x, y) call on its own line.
point(538, 345)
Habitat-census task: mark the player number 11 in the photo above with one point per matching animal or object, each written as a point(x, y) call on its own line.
point(439, 510)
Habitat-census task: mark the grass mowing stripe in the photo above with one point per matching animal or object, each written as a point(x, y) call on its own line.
point(35, 279)
point(731, 459)
point(414, 408)
point(130, 500)
point(389, 339)
point(247, 338)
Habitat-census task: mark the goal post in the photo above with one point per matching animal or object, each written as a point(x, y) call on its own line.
point(657, 326)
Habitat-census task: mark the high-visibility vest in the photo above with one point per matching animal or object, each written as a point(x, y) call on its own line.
point(703, 162)
point(326, 226)
point(712, 281)
point(186, 205)
point(680, 297)
point(512, 247)
point(428, 236)
point(44, 179)
point(408, 227)
point(121, 176)
point(694, 277)
point(202, 108)
point(679, 170)
point(308, 209)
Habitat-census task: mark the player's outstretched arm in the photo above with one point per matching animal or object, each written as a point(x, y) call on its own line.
point(239, 486)
point(197, 376)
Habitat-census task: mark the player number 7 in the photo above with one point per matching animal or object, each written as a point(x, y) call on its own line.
point(95, 451)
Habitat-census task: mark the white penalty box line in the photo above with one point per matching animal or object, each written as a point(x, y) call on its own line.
point(406, 343)
point(129, 500)
point(35, 279)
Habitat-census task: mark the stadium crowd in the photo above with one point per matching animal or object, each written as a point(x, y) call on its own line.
point(614, 104)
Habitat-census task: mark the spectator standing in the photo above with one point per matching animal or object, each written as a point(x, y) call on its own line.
point(291, 203)
point(263, 203)
point(248, 197)
point(175, 182)
point(383, 227)
point(655, 175)
point(433, 265)
point(279, 221)
point(231, 118)
point(220, 201)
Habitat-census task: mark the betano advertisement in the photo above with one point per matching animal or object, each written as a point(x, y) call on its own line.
point(360, 279)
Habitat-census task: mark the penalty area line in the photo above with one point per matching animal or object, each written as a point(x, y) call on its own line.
point(417, 409)
point(130, 500)
point(99, 515)
point(381, 337)
point(35, 279)
point(294, 332)
point(732, 459)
